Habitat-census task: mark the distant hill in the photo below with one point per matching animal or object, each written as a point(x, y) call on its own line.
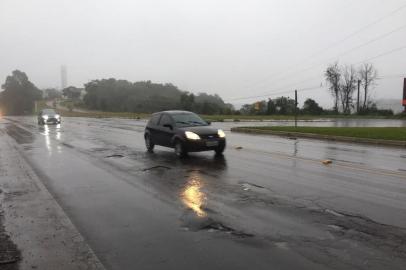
point(393, 104)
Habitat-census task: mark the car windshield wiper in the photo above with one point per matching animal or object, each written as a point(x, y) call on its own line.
point(183, 122)
point(198, 123)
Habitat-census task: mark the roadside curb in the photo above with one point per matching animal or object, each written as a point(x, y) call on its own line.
point(319, 136)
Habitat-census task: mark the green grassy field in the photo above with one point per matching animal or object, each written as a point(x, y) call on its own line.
point(218, 118)
point(381, 133)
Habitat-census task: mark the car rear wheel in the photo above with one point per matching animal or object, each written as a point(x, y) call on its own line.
point(180, 149)
point(149, 144)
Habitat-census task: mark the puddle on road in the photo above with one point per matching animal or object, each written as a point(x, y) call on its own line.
point(192, 196)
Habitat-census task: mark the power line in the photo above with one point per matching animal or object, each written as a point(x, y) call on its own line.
point(382, 36)
point(363, 61)
point(362, 29)
point(382, 54)
point(398, 9)
point(395, 76)
point(280, 89)
point(282, 92)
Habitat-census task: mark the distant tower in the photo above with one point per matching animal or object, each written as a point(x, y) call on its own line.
point(64, 77)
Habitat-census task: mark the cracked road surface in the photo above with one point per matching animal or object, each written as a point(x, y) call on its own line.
point(269, 203)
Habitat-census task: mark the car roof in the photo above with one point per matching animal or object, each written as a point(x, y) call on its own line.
point(173, 112)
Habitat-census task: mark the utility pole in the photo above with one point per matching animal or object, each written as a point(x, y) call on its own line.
point(404, 95)
point(295, 108)
point(359, 84)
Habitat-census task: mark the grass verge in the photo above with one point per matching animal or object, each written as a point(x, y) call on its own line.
point(358, 134)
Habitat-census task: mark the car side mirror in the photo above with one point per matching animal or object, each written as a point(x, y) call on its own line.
point(168, 126)
point(208, 122)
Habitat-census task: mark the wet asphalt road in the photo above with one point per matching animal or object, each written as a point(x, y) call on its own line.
point(270, 205)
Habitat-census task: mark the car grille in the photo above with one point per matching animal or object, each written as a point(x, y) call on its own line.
point(209, 137)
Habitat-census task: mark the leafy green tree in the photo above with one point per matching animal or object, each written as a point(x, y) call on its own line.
point(51, 93)
point(187, 101)
point(285, 105)
point(72, 92)
point(19, 94)
point(311, 107)
point(271, 109)
point(247, 109)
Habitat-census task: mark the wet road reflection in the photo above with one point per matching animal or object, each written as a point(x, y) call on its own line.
point(192, 196)
point(50, 133)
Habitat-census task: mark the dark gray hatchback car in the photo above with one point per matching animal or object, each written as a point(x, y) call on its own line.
point(184, 131)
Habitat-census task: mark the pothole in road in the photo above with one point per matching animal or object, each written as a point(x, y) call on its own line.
point(99, 149)
point(217, 226)
point(335, 227)
point(334, 213)
point(194, 223)
point(114, 156)
point(158, 167)
point(67, 145)
point(248, 186)
point(15, 193)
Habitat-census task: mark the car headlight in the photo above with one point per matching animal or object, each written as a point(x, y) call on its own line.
point(221, 133)
point(57, 116)
point(191, 135)
point(45, 117)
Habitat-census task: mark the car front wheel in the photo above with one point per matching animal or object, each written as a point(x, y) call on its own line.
point(180, 149)
point(219, 151)
point(149, 144)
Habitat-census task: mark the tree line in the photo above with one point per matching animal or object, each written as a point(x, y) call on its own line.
point(115, 95)
point(282, 106)
point(342, 84)
point(146, 97)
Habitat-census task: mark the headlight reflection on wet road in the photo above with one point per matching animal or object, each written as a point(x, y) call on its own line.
point(192, 196)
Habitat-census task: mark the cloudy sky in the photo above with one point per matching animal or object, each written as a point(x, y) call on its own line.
point(236, 48)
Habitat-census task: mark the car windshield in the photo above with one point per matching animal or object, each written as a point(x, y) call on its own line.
point(48, 112)
point(188, 119)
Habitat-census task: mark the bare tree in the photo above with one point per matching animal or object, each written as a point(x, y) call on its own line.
point(368, 76)
point(347, 88)
point(333, 78)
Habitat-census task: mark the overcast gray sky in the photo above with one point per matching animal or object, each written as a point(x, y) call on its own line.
point(235, 48)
